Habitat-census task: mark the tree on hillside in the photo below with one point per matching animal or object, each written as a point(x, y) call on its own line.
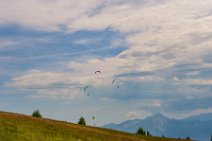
point(141, 131)
point(37, 114)
point(211, 137)
point(188, 138)
point(81, 121)
point(163, 136)
point(147, 133)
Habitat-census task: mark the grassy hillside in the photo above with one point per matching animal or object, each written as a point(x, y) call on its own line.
point(16, 127)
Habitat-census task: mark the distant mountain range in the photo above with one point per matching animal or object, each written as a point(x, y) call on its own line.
point(196, 127)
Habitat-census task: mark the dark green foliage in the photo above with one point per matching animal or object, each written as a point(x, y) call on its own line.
point(141, 131)
point(188, 138)
point(81, 121)
point(211, 137)
point(37, 114)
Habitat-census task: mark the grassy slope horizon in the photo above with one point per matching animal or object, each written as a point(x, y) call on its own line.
point(18, 127)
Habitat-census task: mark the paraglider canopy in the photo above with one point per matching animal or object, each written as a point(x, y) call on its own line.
point(97, 72)
point(114, 80)
point(85, 88)
point(85, 91)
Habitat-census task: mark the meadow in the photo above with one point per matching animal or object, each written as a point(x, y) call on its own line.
point(18, 127)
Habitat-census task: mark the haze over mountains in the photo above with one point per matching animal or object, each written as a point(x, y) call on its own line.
point(196, 127)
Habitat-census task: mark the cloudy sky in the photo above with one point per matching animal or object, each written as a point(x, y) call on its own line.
point(158, 51)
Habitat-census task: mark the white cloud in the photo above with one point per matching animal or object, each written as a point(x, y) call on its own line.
point(167, 24)
point(181, 114)
point(132, 114)
point(51, 85)
point(43, 15)
point(86, 41)
point(176, 78)
point(118, 42)
point(170, 32)
point(157, 103)
point(59, 94)
point(6, 42)
point(196, 81)
point(35, 78)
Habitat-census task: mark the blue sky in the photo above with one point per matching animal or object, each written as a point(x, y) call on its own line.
point(159, 51)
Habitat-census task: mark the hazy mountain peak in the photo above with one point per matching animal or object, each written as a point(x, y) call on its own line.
point(159, 124)
point(157, 116)
point(200, 117)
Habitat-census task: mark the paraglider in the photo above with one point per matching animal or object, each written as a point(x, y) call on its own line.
point(85, 88)
point(114, 80)
point(93, 118)
point(97, 72)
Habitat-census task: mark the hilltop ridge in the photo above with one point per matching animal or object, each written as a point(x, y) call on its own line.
point(17, 127)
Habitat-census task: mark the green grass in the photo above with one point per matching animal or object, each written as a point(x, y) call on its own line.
point(16, 127)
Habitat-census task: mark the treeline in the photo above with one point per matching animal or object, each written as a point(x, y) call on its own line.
point(142, 131)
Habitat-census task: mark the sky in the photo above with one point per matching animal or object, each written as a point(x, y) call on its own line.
point(158, 51)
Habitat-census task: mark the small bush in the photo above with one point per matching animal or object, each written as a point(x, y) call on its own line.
point(188, 138)
point(37, 114)
point(141, 131)
point(163, 136)
point(148, 134)
point(81, 121)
